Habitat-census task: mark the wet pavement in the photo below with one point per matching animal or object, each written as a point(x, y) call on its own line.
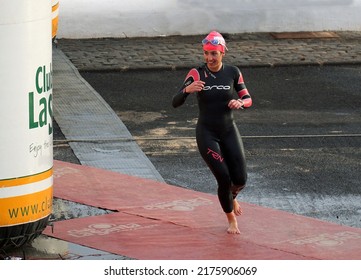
point(48, 248)
point(302, 147)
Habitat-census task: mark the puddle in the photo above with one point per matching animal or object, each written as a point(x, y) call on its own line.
point(48, 248)
point(67, 210)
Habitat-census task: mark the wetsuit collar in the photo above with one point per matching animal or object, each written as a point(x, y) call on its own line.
point(212, 74)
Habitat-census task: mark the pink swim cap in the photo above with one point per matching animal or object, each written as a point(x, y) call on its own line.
point(214, 42)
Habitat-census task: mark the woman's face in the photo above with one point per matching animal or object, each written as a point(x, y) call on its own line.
point(213, 60)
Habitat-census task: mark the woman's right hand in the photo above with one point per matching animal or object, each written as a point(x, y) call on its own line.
point(196, 86)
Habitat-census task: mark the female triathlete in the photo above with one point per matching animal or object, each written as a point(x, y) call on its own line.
point(219, 142)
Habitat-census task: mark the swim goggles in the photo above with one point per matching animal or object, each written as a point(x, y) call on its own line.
point(214, 42)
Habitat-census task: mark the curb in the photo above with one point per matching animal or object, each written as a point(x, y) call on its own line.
point(187, 67)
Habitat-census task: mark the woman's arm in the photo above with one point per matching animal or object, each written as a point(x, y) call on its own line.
point(191, 84)
point(244, 97)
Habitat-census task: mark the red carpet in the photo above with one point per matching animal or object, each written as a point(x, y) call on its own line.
point(154, 220)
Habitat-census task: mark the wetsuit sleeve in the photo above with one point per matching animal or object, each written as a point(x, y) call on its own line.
point(181, 96)
point(242, 91)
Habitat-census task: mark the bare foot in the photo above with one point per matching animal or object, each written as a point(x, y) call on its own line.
point(233, 229)
point(237, 208)
point(233, 225)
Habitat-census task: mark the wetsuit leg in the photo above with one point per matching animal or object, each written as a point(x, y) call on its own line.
point(209, 147)
point(233, 151)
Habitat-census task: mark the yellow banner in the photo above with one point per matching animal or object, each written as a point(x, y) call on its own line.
point(24, 200)
point(26, 208)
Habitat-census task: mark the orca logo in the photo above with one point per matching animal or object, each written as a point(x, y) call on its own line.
point(219, 87)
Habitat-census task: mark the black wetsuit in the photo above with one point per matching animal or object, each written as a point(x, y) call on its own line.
point(218, 139)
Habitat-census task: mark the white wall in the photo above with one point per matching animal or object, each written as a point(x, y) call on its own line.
point(136, 18)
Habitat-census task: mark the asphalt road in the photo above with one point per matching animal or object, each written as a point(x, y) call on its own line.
point(302, 136)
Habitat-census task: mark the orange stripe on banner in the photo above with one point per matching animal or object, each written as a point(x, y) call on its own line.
point(55, 7)
point(26, 180)
point(55, 19)
point(26, 208)
point(54, 27)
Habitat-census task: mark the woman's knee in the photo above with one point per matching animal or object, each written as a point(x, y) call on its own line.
point(240, 179)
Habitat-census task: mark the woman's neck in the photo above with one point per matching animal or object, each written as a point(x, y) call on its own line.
point(215, 68)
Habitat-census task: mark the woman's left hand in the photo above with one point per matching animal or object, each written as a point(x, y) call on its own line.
point(235, 104)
